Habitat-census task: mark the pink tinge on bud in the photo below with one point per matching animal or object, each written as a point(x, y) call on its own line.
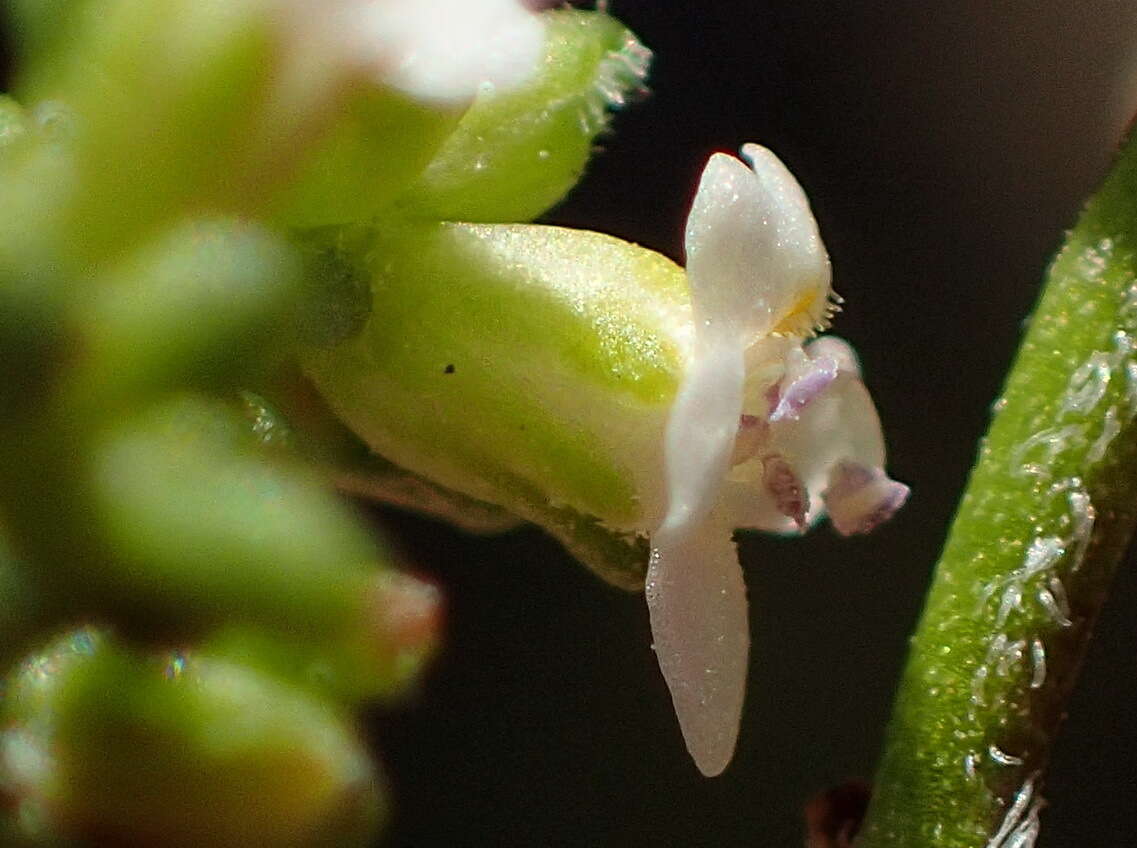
point(752, 432)
point(786, 488)
point(408, 613)
point(860, 498)
point(801, 386)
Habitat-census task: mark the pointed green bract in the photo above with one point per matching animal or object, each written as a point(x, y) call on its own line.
point(516, 153)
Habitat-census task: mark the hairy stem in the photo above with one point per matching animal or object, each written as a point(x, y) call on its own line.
point(1049, 509)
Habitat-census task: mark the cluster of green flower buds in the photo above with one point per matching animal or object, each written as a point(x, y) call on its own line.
point(254, 248)
point(189, 613)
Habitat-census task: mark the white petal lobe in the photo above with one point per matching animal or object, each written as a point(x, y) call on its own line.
point(443, 50)
point(697, 601)
point(755, 259)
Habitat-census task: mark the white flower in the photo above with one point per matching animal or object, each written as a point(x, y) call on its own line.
point(438, 52)
point(765, 433)
point(446, 50)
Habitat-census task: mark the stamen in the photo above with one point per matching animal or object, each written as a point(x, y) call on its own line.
point(787, 489)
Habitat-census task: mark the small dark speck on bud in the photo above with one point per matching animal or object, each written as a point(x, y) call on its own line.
point(449, 369)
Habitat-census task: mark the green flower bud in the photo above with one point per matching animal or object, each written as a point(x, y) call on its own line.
point(316, 115)
point(493, 365)
point(516, 153)
point(166, 100)
point(197, 305)
point(200, 530)
point(112, 748)
point(380, 656)
point(364, 161)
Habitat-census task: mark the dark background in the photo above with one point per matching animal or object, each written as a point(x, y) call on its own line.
point(945, 145)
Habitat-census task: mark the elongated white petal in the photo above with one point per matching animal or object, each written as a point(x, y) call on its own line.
point(444, 50)
point(697, 601)
point(695, 593)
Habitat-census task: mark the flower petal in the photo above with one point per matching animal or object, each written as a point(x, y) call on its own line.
point(701, 432)
point(697, 602)
point(444, 50)
point(837, 425)
point(754, 255)
point(755, 266)
point(860, 498)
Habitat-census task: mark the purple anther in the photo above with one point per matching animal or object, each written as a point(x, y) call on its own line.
point(798, 389)
point(786, 487)
point(860, 498)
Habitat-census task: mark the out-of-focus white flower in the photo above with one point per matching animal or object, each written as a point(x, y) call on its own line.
point(766, 433)
point(439, 50)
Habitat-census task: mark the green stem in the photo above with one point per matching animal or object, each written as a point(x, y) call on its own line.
point(1048, 512)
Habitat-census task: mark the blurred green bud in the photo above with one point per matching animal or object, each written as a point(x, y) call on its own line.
point(186, 107)
point(516, 153)
point(381, 656)
point(201, 530)
point(365, 159)
point(166, 99)
point(531, 367)
point(197, 305)
point(111, 748)
point(13, 122)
